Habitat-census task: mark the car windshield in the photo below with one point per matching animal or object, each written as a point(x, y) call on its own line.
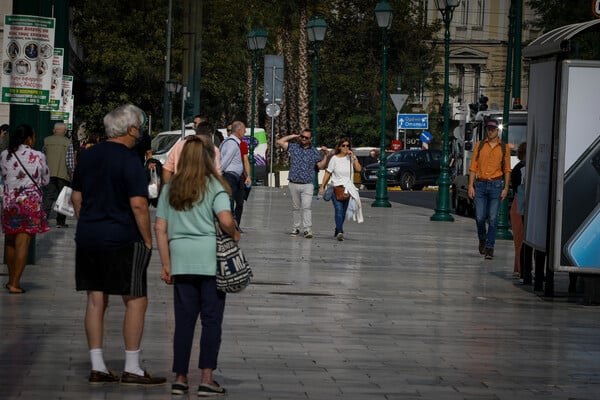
point(162, 143)
point(400, 156)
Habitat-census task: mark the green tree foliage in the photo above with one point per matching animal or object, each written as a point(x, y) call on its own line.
point(124, 48)
point(123, 60)
point(555, 13)
point(352, 67)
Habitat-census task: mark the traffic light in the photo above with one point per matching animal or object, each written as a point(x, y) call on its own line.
point(474, 107)
point(483, 100)
point(468, 131)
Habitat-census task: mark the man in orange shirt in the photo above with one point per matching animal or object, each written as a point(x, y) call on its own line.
point(488, 185)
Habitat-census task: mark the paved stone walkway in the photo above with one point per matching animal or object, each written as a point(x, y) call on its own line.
point(404, 308)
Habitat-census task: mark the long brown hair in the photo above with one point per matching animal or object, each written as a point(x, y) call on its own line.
point(195, 167)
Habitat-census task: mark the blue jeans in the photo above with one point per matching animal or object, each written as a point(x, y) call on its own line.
point(487, 202)
point(340, 208)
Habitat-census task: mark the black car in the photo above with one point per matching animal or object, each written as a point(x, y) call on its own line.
point(409, 169)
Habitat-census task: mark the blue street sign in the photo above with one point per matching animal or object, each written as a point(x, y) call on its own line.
point(425, 137)
point(413, 121)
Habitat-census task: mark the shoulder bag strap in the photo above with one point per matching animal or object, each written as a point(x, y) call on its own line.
point(27, 172)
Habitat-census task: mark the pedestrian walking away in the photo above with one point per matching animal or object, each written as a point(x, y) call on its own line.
point(24, 172)
point(340, 170)
point(245, 184)
point(303, 159)
point(172, 162)
point(232, 163)
point(186, 238)
point(61, 161)
point(114, 242)
point(488, 185)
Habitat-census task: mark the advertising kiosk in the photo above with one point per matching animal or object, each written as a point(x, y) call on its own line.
point(562, 217)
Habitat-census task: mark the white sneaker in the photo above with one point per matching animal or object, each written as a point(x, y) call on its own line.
point(295, 232)
point(340, 237)
point(308, 234)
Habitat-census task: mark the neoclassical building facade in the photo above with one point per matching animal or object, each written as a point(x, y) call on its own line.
point(479, 34)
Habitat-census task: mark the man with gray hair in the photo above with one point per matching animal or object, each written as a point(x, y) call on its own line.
point(59, 155)
point(232, 163)
point(114, 241)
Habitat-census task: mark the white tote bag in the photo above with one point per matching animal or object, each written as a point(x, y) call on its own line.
point(153, 185)
point(63, 203)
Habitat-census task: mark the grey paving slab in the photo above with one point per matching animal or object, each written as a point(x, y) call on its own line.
point(404, 308)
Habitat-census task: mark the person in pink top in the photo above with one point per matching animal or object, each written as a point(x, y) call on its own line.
point(170, 167)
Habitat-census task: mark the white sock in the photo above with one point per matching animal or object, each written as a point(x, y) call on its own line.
point(132, 362)
point(97, 359)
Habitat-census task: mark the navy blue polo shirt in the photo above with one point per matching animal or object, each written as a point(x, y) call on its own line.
point(302, 163)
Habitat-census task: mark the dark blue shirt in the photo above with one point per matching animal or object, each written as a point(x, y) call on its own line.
point(302, 163)
point(108, 175)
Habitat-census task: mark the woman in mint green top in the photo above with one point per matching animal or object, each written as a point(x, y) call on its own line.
point(185, 234)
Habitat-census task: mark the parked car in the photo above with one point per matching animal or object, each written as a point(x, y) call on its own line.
point(409, 169)
point(164, 142)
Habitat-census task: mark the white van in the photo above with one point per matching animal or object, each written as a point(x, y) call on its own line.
point(164, 142)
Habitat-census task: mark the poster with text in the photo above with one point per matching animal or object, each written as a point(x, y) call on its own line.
point(57, 76)
point(66, 103)
point(27, 57)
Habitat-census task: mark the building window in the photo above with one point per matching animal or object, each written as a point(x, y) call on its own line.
point(471, 13)
point(460, 72)
point(464, 13)
point(478, 14)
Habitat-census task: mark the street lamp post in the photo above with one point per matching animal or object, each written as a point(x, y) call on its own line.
point(175, 87)
point(442, 209)
point(257, 40)
point(166, 92)
point(383, 14)
point(315, 31)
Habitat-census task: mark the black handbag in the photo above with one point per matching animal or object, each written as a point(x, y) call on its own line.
point(233, 270)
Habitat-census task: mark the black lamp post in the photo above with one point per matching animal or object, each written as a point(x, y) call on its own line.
point(315, 31)
point(257, 40)
point(175, 87)
point(442, 209)
point(383, 14)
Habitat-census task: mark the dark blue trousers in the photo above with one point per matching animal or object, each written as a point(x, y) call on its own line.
point(197, 295)
point(234, 183)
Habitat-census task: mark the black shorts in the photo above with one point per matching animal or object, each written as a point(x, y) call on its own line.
point(120, 271)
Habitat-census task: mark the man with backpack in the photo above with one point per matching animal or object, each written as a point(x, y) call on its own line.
point(233, 165)
point(488, 185)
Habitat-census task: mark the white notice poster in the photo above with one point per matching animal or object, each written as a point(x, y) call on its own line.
point(27, 53)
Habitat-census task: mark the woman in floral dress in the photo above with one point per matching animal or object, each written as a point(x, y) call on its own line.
point(24, 172)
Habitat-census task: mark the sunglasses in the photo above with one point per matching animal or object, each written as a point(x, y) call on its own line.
point(304, 137)
point(345, 145)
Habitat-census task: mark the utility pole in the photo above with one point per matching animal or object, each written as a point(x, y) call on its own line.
point(503, 231)
point(166, 95)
